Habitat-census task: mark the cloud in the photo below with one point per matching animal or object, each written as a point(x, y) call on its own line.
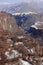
point(5, 3)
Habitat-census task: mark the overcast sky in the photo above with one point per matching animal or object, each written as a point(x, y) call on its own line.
point(13, 1)
point(16, 1)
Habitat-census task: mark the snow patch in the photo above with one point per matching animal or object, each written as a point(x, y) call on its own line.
point(12, 55)
point(34, 26)
point(22, 62)
point(20, 37)
point(17, 43)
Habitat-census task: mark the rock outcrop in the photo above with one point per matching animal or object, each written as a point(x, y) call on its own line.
point(8, 24)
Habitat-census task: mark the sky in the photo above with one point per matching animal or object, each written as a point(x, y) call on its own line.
point(12, 1)
point(15, 1)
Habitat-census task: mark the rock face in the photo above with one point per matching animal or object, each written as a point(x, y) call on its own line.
point(26, 20)
point(8, 23)
point(36, 29)
point(35, 32)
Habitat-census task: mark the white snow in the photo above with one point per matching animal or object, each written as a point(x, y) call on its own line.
point(9, 49)
point(17, 43)
point(10, 26)
point(12, 55)
point(16, 14)
point(22, 62)
point(32, 50)
point(34, 26)
point(38, 25)
point(27, 58)
point(9, 41)
point(20, 37)
point(26, 13)
point(11, 45)
point(0, 58)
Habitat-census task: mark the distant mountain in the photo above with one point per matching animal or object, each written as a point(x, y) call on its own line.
point(30, 7)
point(23, 7)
